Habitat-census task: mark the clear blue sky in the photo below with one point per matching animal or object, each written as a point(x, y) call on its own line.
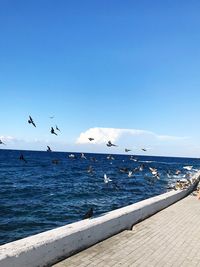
point(105, 64)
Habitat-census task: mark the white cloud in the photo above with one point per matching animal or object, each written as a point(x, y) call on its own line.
point(102, 135)
point(9, 139)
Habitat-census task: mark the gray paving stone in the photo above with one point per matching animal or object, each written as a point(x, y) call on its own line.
point(169, 238)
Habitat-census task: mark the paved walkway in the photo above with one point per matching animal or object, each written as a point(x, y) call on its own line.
point(169, 238)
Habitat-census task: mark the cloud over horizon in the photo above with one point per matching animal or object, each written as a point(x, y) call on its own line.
point(102, 135)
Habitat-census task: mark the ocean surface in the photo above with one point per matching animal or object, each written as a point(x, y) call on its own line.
point(51, 189)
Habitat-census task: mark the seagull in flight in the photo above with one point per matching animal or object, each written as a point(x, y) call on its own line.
point(154, 172)
point(130, 174)
point(83, 156)
point(144, 149)
point(127, 150)
point(132, 158)
point(106, 179)
point(57, 128)
point(49, 149)
point(109, 144)
point(53, 131)
point(91, 139)
point(31, 121)
point(2, 143)
point(90, 169)
point(22, 158)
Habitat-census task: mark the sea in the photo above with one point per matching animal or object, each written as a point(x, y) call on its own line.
point(51, 189)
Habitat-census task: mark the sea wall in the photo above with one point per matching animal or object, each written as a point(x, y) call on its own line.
point(51, 246)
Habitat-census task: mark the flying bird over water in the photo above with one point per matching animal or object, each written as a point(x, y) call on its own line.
point(127, 150)
point(132, 158)
point(49, 149)
point(72, 156)
point(88, 214)
point(144, 149)
point(83, 156)
point(154, 172)
point(110, 157)
point(2, 143)
point(90, 169)
point(93, 159)
point(130, 174)
point(31, 121)
point(91, 139)
point(22, 158)
point(57, 128)
point(188, 168)
point(53, 131)
point(109, 144)
point(106, 179)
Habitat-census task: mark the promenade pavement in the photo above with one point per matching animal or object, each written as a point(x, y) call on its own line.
point(171, 237)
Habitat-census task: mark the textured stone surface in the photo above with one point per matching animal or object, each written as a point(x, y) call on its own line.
point(169, 238)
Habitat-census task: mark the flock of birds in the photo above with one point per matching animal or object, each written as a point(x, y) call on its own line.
point(130, 172)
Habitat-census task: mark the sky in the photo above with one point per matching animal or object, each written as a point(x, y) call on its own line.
point(125, 71)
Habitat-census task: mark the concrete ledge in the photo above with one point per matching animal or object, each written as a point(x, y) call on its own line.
point(51, 246)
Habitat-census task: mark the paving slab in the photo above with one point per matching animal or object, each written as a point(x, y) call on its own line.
point(170, 237)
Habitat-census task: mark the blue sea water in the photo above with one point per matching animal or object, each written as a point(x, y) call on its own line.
point(39, 195)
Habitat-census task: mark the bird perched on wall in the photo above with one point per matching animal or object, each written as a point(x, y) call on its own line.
point(31, 121)
point(88, 214)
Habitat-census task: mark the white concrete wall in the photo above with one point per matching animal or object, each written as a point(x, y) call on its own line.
point(48, 247)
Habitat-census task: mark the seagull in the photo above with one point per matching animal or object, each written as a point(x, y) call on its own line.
point(132, 158)
point(90, 169)
point(72, 156)
point(127, 150)
point(93, 159)
point(91, 139)
point(53, 131)
point(83, 156)
point(144, 149)
point(110, 157)
point(2, 143)
point(22, 158)
point(141, 168)
point(124, 170)
point(177, 172)
point(109, 144)
point(130, 174)
point(188, 168)
point(57, 128)
point(31, 121)
point(49, 149)
point(88, 214)
point(106, 179)
point(154, 172)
